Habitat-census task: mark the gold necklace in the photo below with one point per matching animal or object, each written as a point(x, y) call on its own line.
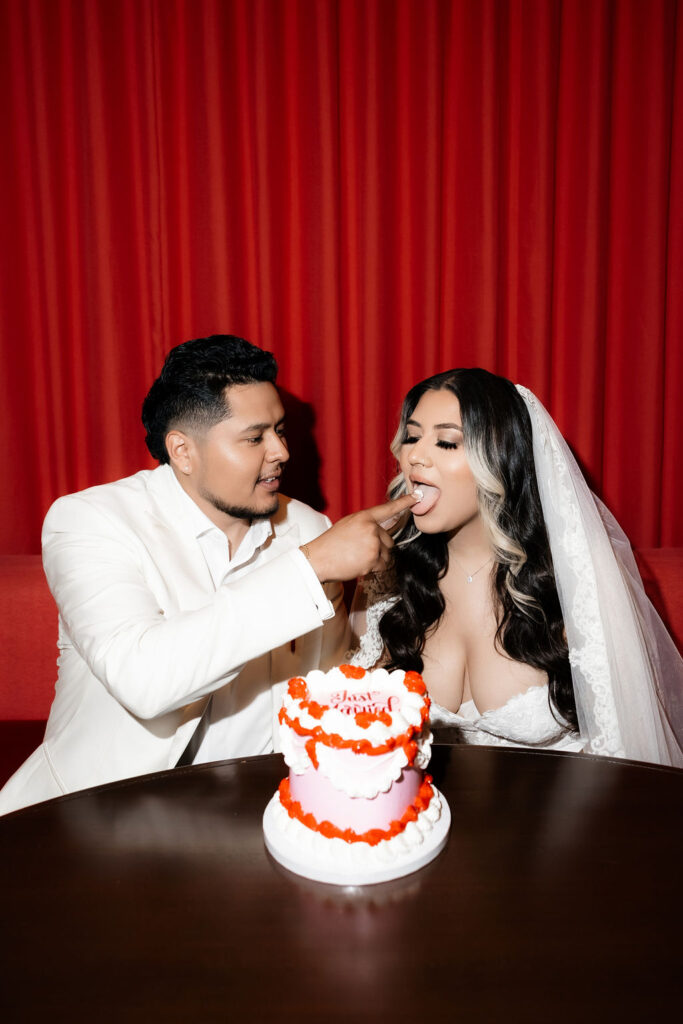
point(470, 576)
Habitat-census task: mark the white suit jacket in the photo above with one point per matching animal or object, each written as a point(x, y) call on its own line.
point(145, 637)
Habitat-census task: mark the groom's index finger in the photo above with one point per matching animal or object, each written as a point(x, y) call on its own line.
point(386, 515)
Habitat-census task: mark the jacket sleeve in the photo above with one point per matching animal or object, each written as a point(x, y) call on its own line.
point(150, 660)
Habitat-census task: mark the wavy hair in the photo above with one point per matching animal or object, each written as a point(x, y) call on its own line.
point(498, 445)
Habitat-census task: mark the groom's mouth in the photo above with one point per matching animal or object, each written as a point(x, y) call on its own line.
point(270, 483)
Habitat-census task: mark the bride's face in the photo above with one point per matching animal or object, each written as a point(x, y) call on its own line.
point(433, 459)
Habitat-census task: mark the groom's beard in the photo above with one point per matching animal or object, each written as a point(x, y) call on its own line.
point(241, 511)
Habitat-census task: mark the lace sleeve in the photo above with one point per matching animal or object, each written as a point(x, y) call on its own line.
point(369, 605)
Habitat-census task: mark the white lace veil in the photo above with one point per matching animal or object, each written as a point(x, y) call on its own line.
point(626, 671)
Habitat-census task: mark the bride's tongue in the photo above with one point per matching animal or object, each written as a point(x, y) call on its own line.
point(428, 496)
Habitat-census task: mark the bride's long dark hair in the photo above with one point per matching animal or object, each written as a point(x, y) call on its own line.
point(498, 445)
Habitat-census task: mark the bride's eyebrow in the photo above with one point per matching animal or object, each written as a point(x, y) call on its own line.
point(437, 426)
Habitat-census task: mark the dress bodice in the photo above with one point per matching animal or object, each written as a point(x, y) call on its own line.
point(526, 720)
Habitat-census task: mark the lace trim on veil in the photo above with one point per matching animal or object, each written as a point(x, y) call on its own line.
point(587, 652)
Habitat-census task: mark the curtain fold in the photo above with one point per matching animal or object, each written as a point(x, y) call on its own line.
point(375, 190)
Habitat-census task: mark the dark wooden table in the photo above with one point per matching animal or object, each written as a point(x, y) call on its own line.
point(558, 898)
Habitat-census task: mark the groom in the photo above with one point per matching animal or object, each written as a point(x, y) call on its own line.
point(190, 593)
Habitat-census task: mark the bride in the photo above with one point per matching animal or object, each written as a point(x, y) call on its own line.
point(512, 588)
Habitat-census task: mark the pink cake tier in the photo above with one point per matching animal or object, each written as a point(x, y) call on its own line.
point(313, 791)
point(356, 744)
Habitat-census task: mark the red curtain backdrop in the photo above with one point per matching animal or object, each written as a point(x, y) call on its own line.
point(375, 190)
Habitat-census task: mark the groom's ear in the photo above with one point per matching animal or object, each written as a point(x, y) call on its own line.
point(181, 451)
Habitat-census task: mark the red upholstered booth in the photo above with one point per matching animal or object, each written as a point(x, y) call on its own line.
point(28, 637)
point(28, 657)
point(662, 572)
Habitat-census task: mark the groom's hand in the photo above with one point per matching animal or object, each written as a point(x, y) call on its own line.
point(357, 544)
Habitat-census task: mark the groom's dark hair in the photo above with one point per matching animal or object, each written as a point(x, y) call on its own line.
point(189, 393)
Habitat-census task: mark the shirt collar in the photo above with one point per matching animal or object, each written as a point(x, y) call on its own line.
point(199, 524)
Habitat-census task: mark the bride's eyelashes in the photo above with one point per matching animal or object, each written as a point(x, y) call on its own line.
point(448, 445)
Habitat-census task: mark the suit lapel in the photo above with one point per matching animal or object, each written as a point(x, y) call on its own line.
point(170, 530)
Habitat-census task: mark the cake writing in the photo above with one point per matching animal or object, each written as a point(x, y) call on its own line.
point(356, 703)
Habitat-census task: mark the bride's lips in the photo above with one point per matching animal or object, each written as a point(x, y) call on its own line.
point(428, 494)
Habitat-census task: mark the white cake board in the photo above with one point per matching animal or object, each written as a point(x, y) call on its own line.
point(301, 861)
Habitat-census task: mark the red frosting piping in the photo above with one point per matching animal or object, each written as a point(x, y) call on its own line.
point(298, 690)
point(352, 671)
point(374, 835)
